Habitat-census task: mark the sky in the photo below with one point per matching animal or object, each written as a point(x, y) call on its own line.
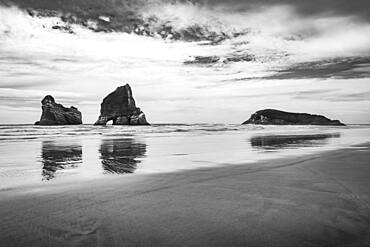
point(206, 61)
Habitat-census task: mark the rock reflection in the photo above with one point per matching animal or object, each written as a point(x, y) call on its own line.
point(276, 142)
point(57, 156)
point(120, 155)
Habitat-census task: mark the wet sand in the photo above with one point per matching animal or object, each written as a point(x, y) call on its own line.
point(313, 200)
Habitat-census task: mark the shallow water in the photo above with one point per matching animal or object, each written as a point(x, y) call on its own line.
point(36, 154)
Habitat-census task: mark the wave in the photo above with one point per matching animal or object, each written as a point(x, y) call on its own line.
point(23, 132)
point(19, 132)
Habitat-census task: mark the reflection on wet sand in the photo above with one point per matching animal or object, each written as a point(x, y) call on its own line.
point(120, 155)
point(276, 142)
point(57, 156)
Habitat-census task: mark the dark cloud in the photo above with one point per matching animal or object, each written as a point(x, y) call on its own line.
point(126, 15)
point(351, 97)
point(333, 96)
point(343, 68)
point(116, 15)
point(123, 13)
point(81, 6)
point(313, 7)
point(358, 8)
point(212, 60)
point(358, 67)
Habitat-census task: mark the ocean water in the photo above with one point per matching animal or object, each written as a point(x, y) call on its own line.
point(47, 154)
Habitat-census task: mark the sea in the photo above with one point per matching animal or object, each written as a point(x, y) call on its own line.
point(43, 155)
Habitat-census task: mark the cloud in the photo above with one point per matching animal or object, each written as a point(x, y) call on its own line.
point(293, 53)
point(307, 8)
point(353, 67)
point(95, 7)
point(351, 97)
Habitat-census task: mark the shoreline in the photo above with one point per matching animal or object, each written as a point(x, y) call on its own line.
point(316, 200)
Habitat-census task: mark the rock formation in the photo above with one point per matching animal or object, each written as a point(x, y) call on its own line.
point(119, 106)
point(270, 116)
point(57, 114)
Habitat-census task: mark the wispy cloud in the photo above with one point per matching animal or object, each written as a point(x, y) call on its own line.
point(352, 67)
point(274, 56)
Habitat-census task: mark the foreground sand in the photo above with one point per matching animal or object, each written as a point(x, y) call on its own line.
point(318, 200)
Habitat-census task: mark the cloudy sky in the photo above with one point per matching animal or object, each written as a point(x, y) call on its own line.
point(187, 61)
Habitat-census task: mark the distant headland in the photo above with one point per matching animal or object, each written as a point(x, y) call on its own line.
point(276, 117)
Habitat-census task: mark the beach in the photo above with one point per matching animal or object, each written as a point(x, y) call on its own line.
point(319, 199)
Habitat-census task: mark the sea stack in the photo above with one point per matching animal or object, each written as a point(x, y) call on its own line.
point(56, 114)
point(119, 106)
point(276, 117)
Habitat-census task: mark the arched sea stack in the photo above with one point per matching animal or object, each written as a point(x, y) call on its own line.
point(119, 106)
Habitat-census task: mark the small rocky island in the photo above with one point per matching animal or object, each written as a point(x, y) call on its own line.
point(119, 106)
point(56, 114)
point(276, 117)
